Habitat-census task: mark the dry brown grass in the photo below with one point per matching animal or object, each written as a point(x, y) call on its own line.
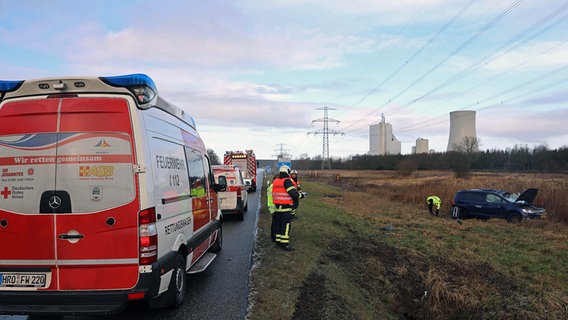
point(348, 266)
point(474, 259)
point(415, 188)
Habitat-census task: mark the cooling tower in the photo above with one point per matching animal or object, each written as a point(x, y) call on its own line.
point(462, 124)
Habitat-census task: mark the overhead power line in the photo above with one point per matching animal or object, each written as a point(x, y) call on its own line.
point(282, 152)
point(454, 52)
point(413, 56)
point(326, 163)
point(526, 34)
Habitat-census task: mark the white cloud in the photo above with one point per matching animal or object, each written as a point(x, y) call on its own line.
point(254, 71)
point(533, 56)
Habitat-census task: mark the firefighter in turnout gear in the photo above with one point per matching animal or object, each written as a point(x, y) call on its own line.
point(286, 199)
point(295, 180)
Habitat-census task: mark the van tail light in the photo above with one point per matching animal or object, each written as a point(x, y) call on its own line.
point(148, 236)
point(238, 192)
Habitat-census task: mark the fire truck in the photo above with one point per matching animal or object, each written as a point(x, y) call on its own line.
point(246, 161)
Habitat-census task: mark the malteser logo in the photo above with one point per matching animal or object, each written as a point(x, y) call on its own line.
point(96, 171)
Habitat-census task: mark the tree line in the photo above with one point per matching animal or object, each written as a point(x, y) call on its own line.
point(520, 158)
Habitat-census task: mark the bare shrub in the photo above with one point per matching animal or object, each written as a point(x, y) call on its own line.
point(406, 167)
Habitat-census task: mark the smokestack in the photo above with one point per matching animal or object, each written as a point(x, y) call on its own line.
point(462, 124)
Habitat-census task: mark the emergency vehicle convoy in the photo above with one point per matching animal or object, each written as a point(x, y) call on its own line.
point(246, 161)
point(234, 199)
point(106, 196)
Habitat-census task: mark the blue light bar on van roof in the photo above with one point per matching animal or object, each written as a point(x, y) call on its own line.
point(142, 86)
point(7, 86)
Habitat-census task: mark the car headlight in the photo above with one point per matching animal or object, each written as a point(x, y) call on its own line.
point(532, 210)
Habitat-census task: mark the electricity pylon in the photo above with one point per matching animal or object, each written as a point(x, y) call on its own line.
point(283, 152)
point(326, 163)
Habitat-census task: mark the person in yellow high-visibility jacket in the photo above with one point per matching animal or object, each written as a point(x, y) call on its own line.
point(271, 207)
point(434, 201)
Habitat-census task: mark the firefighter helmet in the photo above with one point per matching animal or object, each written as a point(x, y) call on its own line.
point(285, 168)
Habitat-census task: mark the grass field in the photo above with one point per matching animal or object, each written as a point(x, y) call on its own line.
point(347, 265)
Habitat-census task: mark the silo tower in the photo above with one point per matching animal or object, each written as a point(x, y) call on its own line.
point(462, 124)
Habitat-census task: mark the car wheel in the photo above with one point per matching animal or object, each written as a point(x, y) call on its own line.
point(218, 244)
point(461, 213)
point(178, 282)
point(514, 217)
point(246, 206)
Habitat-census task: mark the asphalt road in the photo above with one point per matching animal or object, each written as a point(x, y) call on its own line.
point(220, 292)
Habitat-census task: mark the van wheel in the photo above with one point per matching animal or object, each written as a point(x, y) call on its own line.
point(178, 282)
point(241, 210)
point(218, 244)
point(514, 217)
point(246, 206)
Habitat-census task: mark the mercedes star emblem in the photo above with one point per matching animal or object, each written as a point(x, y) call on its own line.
point(54, 202)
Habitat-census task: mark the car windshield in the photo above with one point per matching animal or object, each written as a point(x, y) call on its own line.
point(511, 196)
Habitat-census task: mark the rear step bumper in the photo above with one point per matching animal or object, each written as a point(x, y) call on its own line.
point(81, 303)
point(202, 263)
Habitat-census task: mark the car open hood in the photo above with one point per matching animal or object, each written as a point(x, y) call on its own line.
point(527, 196)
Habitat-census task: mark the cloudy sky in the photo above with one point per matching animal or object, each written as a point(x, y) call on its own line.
point(255, 74)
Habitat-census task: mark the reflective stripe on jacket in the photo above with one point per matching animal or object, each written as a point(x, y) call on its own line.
point(296, 181)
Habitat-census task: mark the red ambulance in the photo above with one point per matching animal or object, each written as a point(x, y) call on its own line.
point(106, 196)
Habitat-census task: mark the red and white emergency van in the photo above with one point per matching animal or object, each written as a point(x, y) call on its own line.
point(106, 196)
point(234, 199)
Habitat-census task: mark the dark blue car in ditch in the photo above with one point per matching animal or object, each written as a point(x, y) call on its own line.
point(493, 203)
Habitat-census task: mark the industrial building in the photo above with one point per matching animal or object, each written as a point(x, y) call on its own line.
point(421, 146)
point(382, 140)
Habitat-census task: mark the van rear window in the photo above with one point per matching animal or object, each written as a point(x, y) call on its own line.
point(79, 149)
point(93, 169)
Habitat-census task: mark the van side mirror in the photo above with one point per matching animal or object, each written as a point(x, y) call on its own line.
point(222, 185)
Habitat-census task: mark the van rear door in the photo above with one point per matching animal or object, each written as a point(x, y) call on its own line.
point(75, 215)
point(27, 162)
